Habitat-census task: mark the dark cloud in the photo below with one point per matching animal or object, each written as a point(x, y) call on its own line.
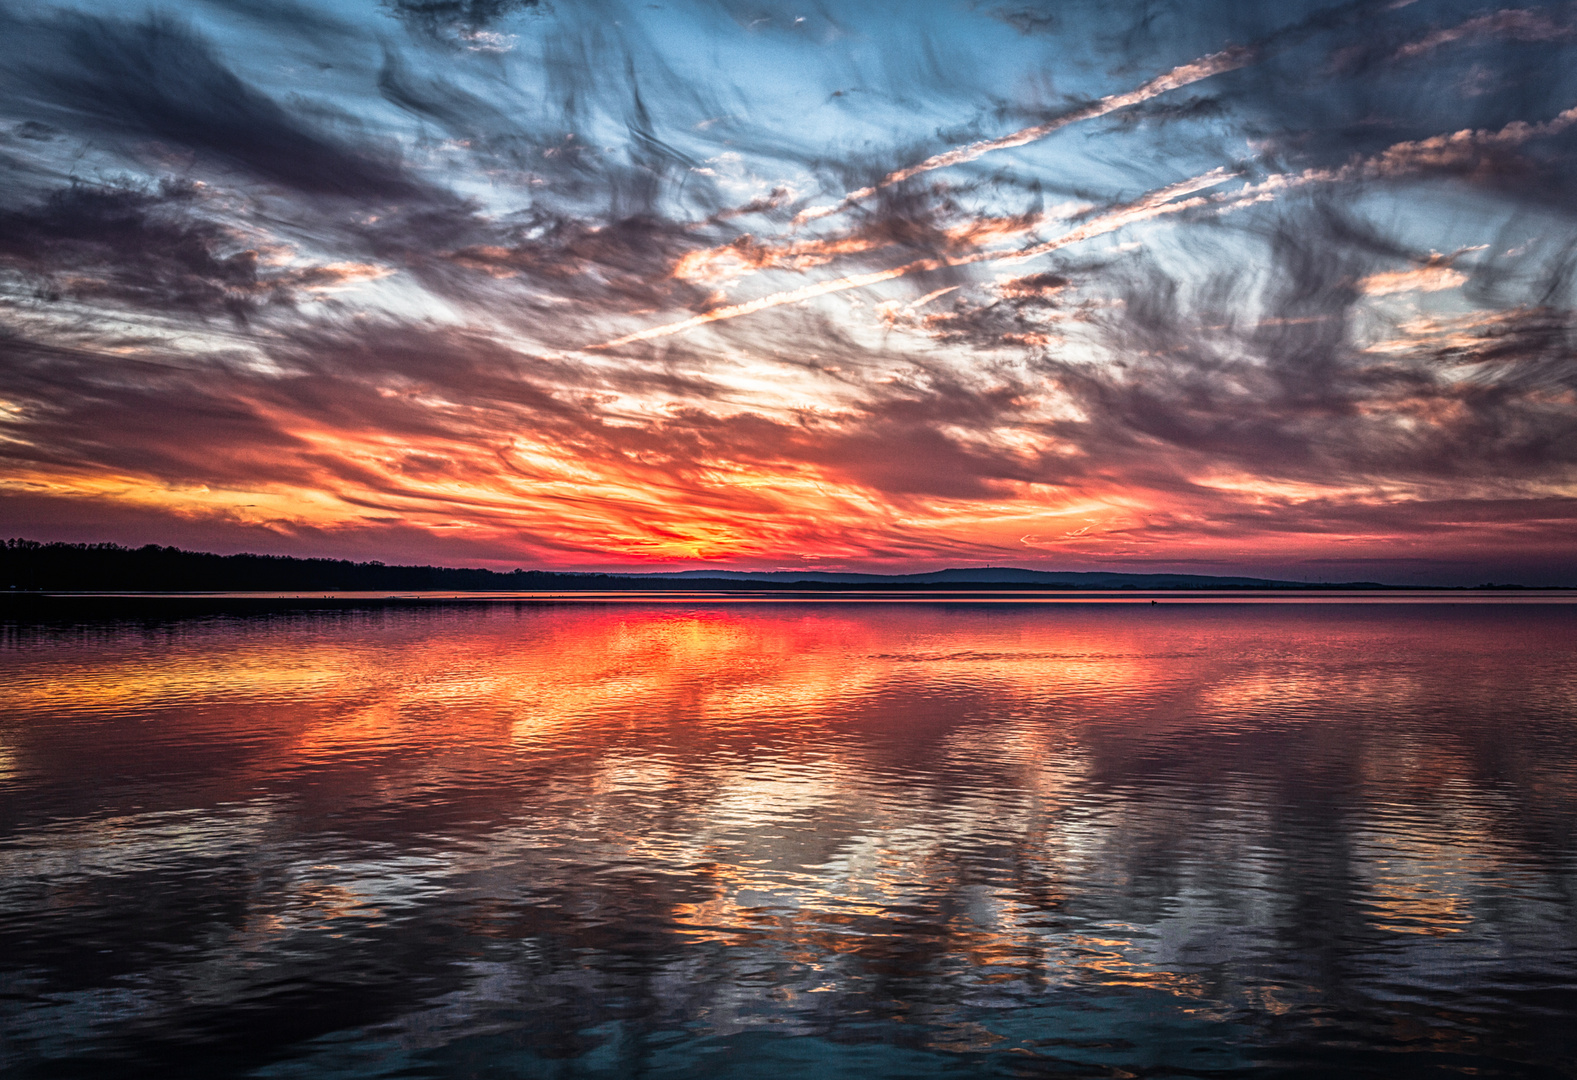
point(458, 111)
point(1351, 81)
point(158, 79)
point(1028, 18)
point(1021, 319)
point(87, 410)
point(1293, 394)
point(569, 270)
point(441, 18)
point(131, 245)
point(32, 129)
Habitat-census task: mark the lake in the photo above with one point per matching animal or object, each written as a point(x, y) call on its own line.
point(697, 838)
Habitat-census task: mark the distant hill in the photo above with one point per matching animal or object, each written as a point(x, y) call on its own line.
point(54, 567)
point(994, 575)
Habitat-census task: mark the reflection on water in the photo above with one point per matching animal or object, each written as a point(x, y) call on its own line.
point(762, 840)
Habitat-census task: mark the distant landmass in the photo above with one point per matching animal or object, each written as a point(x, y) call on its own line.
point(29, 565)
point(988, 575)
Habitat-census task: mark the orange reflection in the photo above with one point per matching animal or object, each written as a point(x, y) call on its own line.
point(795, 781)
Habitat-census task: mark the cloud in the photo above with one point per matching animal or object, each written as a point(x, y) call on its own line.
point(151, 249)
point(1513, 24)
point(158, 79)
point(1170, 199)
point(745, 255)
point(465, 20)
point(1291, 397)
point(1435, 275)
point(331, 281)
point(1465, 149)
point(1180, 76)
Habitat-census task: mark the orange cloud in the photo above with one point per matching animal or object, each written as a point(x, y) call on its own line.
point(1435, 275)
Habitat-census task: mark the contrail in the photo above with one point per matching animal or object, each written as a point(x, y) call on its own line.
point(733, 311)
point(1157, 203)
point(1182, 75)
point(1400, 159)
point(1152, 205)
point(1452, 151)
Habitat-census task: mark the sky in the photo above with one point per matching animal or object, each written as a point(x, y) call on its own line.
point(1283, 289)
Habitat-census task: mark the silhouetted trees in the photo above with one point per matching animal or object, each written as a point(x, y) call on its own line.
point(29, 564)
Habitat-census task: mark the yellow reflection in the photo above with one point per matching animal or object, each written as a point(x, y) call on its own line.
point(1418, 883)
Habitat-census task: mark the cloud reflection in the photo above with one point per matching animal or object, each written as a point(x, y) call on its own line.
point(780, 818)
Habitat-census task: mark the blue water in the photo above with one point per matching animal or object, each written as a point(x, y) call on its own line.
point(701, 839)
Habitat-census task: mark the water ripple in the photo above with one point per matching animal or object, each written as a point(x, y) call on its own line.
point(583, 840)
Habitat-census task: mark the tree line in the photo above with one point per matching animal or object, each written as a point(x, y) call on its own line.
point(59, 567)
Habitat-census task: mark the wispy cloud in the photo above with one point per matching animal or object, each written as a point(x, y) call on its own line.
point(596, 285)
point(1175, 79)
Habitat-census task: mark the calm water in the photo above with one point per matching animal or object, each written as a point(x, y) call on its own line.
point(713, 840)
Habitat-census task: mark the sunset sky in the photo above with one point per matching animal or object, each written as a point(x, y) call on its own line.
point(1216, 288)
